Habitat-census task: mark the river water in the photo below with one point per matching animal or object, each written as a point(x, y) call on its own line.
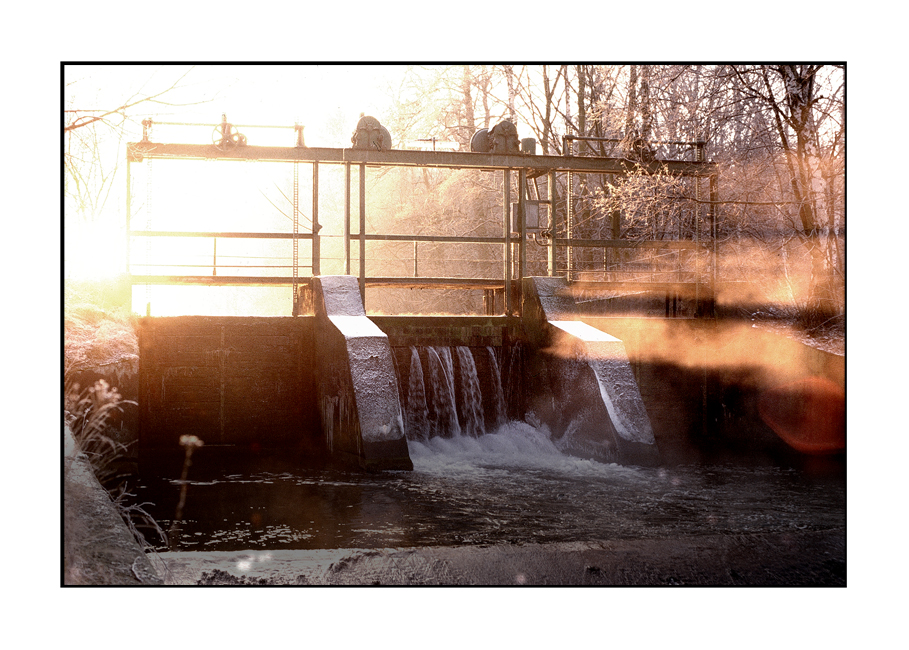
point(509, 487)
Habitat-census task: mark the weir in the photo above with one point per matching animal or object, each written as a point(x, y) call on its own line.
point(330, 380)
point(535, 421)
point(356, 388)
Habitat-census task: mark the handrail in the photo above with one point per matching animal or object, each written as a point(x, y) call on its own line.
point(514, 262)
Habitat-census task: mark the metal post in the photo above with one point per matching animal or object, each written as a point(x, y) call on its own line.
point(346, 218)
point(316, 244)
point(363, 233)
point(506, 175)
point(699, 157)
point(129, 200)
point(522, 226)
point(569, 231)
point(714, 197)
point(148, 225)
point(296, 242)
point(552, 256)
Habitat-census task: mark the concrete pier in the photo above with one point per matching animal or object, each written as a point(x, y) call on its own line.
point(596, 409)
point(357, 390)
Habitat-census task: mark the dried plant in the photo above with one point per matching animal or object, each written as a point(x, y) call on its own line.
point(190, 444)
point(88, 414)
point(136, 517)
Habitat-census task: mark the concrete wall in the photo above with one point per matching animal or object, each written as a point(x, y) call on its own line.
point(596, 408)
point(357, 390)
point(471, 331)
point(310, 383)
point(239, 382)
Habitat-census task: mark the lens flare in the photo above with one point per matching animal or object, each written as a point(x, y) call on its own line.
point(809, 415)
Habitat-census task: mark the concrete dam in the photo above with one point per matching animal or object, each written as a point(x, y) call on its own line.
point(605, 406)
point(356, 388)
point(496, 449)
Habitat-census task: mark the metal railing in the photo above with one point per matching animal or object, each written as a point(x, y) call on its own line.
point(514, 241)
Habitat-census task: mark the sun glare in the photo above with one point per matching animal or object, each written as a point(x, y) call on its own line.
point(94, 251)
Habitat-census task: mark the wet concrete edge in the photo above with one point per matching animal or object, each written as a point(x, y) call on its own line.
point(107, 540)
point(797, 558)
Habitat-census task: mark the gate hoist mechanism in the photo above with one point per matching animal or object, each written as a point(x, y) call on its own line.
point(370, 134)
point(225, 136)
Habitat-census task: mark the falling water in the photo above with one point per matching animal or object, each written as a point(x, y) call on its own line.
point(447, 366)
point(416, 413)
point(452, 393)
point(443, 416)
point(515, 486)
point(470, 400)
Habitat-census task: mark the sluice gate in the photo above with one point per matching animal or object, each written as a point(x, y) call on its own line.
point(355, 388)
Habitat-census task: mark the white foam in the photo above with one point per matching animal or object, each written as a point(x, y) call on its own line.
point(516, 445)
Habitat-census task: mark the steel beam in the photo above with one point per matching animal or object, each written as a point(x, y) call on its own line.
point(625, 243)
point(506, 217)
point(223, 235)
point(460, 283)
point(361, 176)
point(215, 280)
point(522, 223)
point(552, 253)
point(137, 151)
point(252, 281)
point(347, 219)
point(437, 239)
point(316, 243)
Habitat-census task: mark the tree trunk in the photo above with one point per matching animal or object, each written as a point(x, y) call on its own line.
point(547, 113)
point(468, 126)
point(582, 108)
point(798, 84)
point(509, 78)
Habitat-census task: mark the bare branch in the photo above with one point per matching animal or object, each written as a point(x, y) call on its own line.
point(86, 120)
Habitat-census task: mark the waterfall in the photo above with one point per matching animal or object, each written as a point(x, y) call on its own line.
point(448, 367)
point(442, 407)
point(451, 392)
point(416, 413)
point(470, 398)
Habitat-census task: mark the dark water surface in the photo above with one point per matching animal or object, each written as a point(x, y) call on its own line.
point(510, 487)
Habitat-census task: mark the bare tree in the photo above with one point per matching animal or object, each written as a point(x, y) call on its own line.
point(94, 136)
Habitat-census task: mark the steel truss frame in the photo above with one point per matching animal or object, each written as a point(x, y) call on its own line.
point(527, 166)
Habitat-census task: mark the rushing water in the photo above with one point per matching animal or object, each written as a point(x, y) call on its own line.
point(477, 479)
point(513, 486)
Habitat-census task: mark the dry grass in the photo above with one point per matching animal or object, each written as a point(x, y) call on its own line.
point(93, 337)
point(98, 329)
point(87, 412)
